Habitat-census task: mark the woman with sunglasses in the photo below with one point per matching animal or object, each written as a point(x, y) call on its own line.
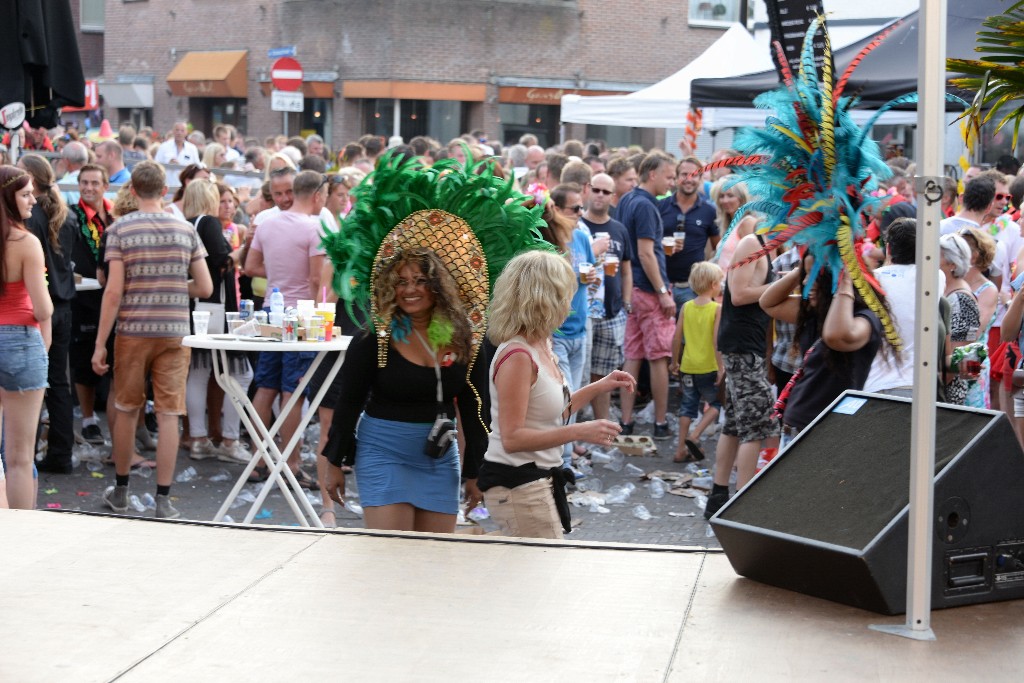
point(983, 251)
point(340, 184)
point(187, 175)
point(562, 214)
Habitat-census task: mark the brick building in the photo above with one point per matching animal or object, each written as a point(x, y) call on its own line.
point(435, 67)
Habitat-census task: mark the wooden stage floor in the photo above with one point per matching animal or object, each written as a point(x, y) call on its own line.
point(96, 598)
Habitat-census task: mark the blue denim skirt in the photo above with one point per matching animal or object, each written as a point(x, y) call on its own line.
point(23, 361)
point(391, 467)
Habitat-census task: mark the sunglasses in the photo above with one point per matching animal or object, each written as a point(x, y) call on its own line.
point(598, 190)
point(577, 208)
point(1000, 197)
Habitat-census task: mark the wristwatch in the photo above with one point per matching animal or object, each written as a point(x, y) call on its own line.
point(663, 290)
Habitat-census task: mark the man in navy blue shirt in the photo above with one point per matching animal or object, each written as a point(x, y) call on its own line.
point(687, 212)
point(650, 326)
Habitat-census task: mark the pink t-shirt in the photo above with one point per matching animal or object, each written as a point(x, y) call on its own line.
point(287, 241)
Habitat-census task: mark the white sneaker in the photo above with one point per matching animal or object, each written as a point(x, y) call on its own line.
point(235, 453)
point(203, 449)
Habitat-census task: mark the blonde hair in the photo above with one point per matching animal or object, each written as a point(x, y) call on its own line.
point(981, 242)
point(719, 186)
point(210, 154)
point(704, 275)
point(532, 297)
point(125, 202)
point(200, 198)
point(278, 156)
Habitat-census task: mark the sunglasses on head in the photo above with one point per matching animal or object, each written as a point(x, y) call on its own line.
point(598, 190)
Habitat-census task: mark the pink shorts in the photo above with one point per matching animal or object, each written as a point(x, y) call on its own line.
point(649, 331)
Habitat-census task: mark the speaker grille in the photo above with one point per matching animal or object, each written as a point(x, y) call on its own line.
point(849, 475)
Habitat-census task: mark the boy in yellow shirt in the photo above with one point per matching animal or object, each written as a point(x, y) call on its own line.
point(699, 363)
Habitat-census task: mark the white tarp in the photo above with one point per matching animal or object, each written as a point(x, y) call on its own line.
point(665, 104)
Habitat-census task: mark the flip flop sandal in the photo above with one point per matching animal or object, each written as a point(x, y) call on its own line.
point(696, 453)
point(259, 474)
point(306, 481)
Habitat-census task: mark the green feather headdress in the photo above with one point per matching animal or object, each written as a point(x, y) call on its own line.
point(473, 220)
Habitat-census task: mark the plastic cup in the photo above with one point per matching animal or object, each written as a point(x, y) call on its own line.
point(326, 311)
point(611, 265)
point(201, 322)
point(972, 369)
point(680, 238)
point(586, 272)
point(669, 245)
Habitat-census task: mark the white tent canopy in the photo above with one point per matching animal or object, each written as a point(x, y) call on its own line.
point(665, 104)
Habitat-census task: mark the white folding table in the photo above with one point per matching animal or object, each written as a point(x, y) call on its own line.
point(264, 447)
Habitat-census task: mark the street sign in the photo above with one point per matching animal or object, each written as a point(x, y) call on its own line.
point(287, 101)
point(12, 115)
point(286, 74)
point(286, 51)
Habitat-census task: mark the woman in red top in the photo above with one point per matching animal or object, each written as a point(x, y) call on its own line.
point(25, 310)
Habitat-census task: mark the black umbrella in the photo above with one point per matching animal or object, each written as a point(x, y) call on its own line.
point(889, 71)
point(39, 60)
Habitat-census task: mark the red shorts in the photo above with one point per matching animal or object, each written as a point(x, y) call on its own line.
point(649, 331)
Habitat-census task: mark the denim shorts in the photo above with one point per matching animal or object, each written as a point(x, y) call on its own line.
point(23, 362)
point(282, 370)
point(697, 388)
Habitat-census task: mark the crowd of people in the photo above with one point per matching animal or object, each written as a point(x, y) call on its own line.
point(649, 276)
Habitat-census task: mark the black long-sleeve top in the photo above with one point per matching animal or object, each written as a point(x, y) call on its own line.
point(405, 392)
point(59, 276)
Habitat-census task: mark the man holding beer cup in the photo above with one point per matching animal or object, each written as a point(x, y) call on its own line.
point(689, 224)
point(609, 331)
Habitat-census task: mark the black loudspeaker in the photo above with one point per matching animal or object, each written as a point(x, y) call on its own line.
point(829, 516)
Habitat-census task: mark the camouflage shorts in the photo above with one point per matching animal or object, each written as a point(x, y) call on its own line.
point(749, 402)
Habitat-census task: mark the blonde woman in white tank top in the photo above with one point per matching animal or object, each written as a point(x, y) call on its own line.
point(522, 476)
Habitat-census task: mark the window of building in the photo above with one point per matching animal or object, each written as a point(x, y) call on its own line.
point(716, 12)
point(93, 15)
point(539, 119)
point(440, 119)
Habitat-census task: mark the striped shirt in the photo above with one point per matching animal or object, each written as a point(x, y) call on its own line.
point(157, 250)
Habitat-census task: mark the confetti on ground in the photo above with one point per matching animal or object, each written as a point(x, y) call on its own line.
point(53, 506)
point(264, 514)
point(97, 475)
point(83, 494)
point(50, 492)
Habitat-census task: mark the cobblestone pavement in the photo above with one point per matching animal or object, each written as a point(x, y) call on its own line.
point(675, 520)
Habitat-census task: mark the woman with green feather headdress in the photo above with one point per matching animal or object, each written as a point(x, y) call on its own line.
point(416, 257)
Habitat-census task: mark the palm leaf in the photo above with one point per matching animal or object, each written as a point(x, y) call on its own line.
point(997, 78)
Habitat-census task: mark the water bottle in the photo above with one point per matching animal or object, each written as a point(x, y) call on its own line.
point(276, 308)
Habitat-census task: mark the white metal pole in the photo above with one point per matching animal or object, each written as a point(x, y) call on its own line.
point(931, 60)
point(396, 119)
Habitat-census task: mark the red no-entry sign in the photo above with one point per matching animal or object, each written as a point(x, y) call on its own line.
point(286, 74)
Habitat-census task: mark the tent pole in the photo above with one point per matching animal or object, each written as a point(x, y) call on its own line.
point(929, 147)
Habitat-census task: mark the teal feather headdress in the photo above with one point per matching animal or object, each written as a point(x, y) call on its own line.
point(811, 170)
point(472, 219)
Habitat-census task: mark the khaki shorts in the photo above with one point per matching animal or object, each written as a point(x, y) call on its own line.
point(162, 358)
point(527, 511)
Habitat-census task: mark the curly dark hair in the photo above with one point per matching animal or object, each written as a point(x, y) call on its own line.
point(442, 285)
point(815, 315)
